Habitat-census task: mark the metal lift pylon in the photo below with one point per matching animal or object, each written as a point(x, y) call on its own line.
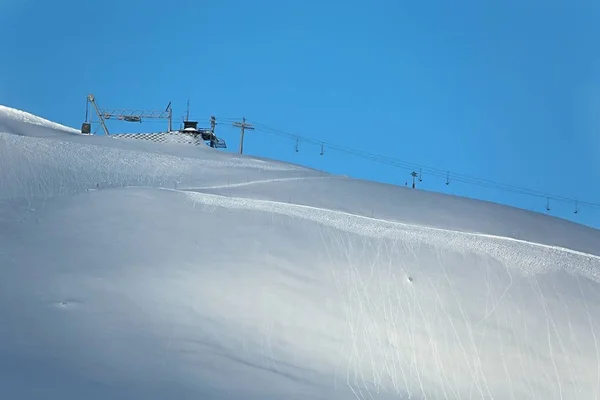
point(123, 115)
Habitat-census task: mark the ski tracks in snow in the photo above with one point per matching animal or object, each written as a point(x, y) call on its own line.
point(528, 257)
point(516, 255)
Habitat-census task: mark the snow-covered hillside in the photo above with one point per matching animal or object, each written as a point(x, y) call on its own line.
point(139, 270)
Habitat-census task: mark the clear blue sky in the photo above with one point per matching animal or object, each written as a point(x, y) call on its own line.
point(494, 89)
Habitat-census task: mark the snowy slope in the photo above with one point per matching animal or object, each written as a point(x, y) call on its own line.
point(131, 269)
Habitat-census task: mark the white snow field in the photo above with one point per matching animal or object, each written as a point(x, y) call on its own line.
point(139, 270)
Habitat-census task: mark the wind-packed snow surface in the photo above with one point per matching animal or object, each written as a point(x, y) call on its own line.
point(136, 270)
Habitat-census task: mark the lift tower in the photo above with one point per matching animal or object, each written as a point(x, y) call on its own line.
point(123, 115)
point(243, 126)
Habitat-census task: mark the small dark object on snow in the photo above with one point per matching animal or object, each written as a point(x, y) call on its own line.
point(410, 279)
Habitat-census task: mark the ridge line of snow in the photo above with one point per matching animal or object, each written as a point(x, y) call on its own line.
point(29, 118)
point(381, 231)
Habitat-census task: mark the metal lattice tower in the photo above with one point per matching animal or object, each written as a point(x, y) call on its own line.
point(124, 115)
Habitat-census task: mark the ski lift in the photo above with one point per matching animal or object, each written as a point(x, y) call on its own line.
point(322, 149)
point(576, 207)
point(447, 178)
point(414, 175)
point(86, 128)
point(296, 147)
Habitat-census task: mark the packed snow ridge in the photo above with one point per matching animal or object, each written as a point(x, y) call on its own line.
point(131, 269)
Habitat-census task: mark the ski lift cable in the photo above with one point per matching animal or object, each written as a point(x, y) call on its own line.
point(395, 161)
point(431, 171)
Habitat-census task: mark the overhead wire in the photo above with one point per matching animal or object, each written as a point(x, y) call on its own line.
point(424, 169)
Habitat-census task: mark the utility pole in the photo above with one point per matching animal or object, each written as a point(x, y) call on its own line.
point(243, 126)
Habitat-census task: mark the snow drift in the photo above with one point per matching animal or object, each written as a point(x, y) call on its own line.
point(142, 270)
